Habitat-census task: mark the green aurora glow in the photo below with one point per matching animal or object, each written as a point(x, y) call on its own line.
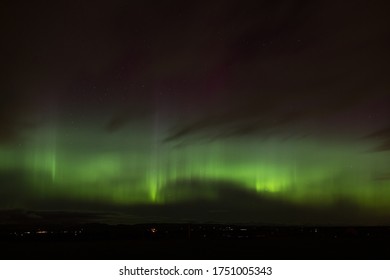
point(130, 168)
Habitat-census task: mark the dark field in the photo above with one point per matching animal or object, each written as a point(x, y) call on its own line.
point(174, 241)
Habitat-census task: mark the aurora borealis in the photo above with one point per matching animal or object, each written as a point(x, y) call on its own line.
point(264, 112)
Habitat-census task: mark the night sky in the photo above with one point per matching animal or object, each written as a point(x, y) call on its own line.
point(274, 112)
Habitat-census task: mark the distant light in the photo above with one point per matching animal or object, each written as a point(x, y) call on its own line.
point(41, 232)
point(153, 230)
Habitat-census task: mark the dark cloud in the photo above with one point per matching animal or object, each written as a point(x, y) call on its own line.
point(264, 116)
point(385, 146)
point(382, 135)
point(382, 177)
